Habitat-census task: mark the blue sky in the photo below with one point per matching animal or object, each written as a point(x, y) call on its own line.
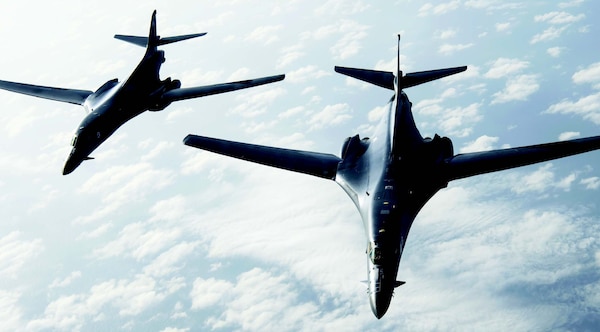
point(154, 235)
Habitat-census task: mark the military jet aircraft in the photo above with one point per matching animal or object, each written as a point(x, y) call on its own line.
point(115, 103)
point(391, 175)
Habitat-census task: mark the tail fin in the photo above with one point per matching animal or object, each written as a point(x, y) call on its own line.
point(153, 40)
point(386, 79)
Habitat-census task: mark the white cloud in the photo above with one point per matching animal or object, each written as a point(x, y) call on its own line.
point(558, 18)
point(331, 115)
point(209, 292)
point(587, 107)
point(305, 73)
point(445, 34)
point(590, 75)
point(568, 135)
point(66, 281)
point(502, 27)
point(542, 179)
point(591, 183)
point(481, 143)
point(517, 88)
point(503, 67)
point(550, 33)
point(448, 49)
point(440, 9)
point(264, 34)
point(256, 101)
point(555, 51)
point(15, 253)
point(10, 312)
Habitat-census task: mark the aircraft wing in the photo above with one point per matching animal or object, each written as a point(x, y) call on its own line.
point(65, 95)
point(469, 164)
point(201, 91)
point(313, 163)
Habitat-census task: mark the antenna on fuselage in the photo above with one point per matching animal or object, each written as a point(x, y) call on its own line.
point(398, 71)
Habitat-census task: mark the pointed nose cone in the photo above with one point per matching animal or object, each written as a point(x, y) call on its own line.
point(71, 164)
point(380, 303)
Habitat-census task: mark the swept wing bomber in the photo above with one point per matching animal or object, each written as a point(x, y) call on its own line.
point(391, 175)
point(115, 103)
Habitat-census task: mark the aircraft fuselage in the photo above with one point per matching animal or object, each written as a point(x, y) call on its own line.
point(385, 176)
point(115, 103)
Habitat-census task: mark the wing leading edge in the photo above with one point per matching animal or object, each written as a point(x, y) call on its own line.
point(313, 163)
point(72, 96)
point(469, 164)
point(201, 91)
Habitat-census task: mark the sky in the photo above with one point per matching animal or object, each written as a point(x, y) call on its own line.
point(153, 235)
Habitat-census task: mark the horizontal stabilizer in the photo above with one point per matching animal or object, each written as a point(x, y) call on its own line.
point(383, 79)
point(469, 164)
point(416, 78)
point(201, 91)
point(59, 94)
point(143, 41)
point(399, 283)
point(313, 163)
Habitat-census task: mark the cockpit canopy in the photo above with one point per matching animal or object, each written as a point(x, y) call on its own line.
point(74, 139)
point(375, 254)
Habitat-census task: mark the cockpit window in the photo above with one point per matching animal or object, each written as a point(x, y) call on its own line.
point(375, 255)
point(74, 140)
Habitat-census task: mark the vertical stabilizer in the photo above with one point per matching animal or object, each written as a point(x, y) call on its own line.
point(153, 37)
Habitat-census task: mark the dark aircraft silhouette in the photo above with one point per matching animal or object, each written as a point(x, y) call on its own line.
point(115, 103)
point(391, 175)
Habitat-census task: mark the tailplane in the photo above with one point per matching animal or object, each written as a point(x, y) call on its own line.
point(153, 40)
point(386, 79)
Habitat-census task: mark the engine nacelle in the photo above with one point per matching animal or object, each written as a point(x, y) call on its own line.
point(354, 147)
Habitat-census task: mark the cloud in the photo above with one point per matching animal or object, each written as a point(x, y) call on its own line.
point(209, 292)
point(305, 73)
point(542, 179)
point(482, 143)
point(440, 9)
point(255, 102)
point(264, 34)
point(592, 183)
point(331, 115)
point(120, 185)
point(448, 49)
point(517, 88)
point(341, 7)
point(549, 34)
point(587, 107)
point(503, 67)
point(590, 75)
point(568, 135)
point(15, 253)
point(66, 281)
point(555, 52)
point(558, 18)
point(10, 312)
point(502, 27)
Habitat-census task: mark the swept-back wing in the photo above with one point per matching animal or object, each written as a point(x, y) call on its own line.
point(469, 164)
point(314, 163)
point(201, 91)
point(65, 95)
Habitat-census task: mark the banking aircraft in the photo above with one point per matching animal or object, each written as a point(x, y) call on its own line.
point(391, 175)
point(115, 103)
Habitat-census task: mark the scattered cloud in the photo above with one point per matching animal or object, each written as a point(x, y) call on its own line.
point(517, 88)
point(503, 67)
point(555, 52)
point(331, 115)
point(558, 18)
point(448, 49)
point(481, 143)
point(568, 135)
point(440, 9)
